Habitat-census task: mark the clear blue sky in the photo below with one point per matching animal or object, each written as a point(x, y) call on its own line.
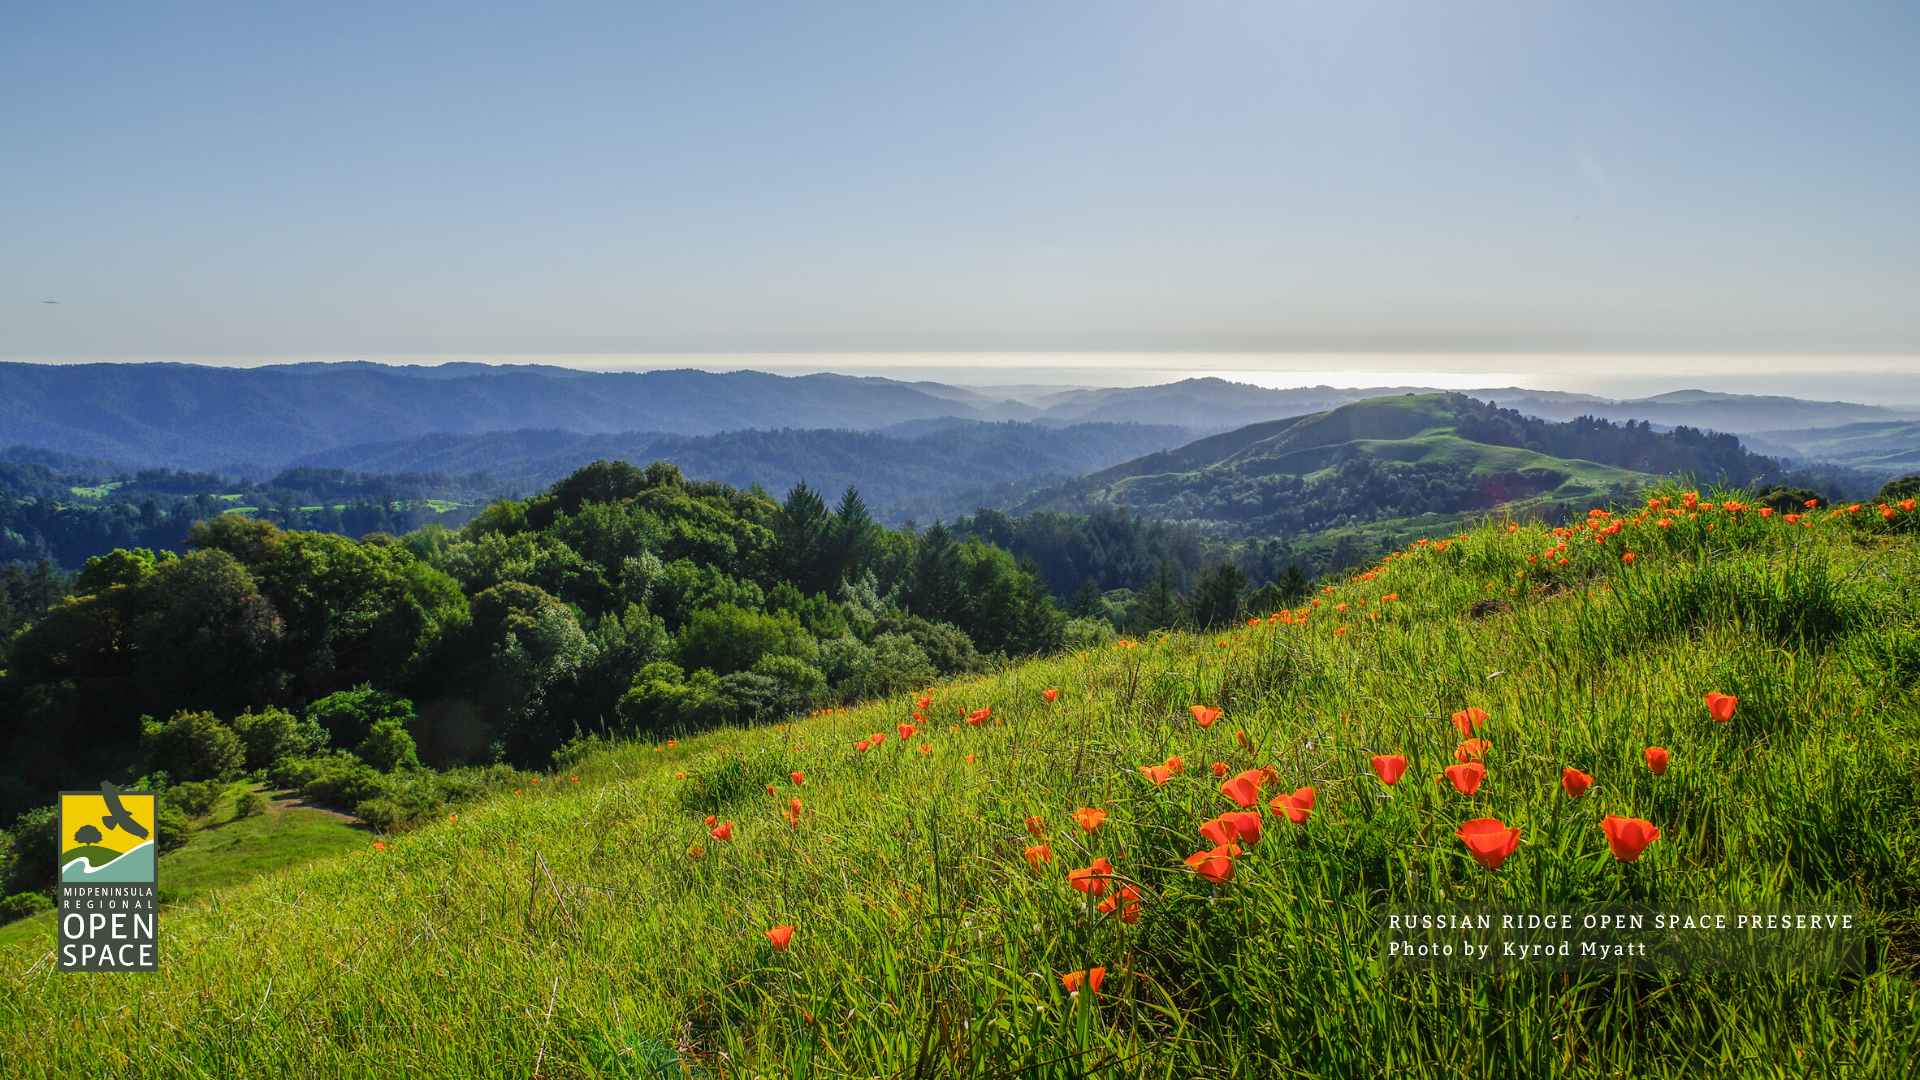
point(208, 178)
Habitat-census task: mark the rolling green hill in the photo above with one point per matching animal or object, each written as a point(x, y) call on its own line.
point(1396, 458)
point(594, 924)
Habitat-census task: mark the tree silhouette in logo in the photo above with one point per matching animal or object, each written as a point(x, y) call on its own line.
point(87, 834)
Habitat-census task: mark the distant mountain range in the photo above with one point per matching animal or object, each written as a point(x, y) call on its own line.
point(258, 420)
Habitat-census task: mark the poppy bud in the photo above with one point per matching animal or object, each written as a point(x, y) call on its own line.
point(1657, 760)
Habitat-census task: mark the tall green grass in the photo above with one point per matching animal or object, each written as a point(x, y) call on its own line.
point(567, 930)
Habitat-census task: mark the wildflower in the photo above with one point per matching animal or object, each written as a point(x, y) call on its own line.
point(1720, 706)
point(1338, 630)
point(771, 792)
point(1246, 824)
point(1657, 760)
point(1471, 750)
point(1036, 826)
point(1388, 767)
point(671, 743)
point(1489, 840)
point(1627, 558)
point(1245, 743)
point(1340, 608)
point(969, 759)
point(1125, 903)
point(379, 845)
point(877, 738)
point(906, 731)
point(1390, 597)
point(679, 776)
point(723, 832)
point(926, 701)
point(1241, 790)
point(1176, 766)
point(781, 936)
point(1219, 768)
point(1766, 511)
point(1037, 854)
point(1089, 818)
point(1466, 778)
point(1093, 879)
point(1052, 695)
point(1908, 505)
point(799, 779)
point(1575, 782)
point(1511, 527)
point(1216, 865)
point(693, 852)
point(925, 749)
point(1294, 807)
point(1204, 716)
point(710, 819)
point(979, 716)
point(1224, 829)
point(863, 746)
point(1468, 719)
point(1159, 774)
point(1092, 978)
point(453, 817)
point(1628, 837)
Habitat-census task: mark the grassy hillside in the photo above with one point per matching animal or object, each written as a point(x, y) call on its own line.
point(590, 926)
point(1878, 447)
point(1392, 459)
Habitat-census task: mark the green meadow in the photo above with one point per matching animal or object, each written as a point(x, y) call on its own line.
point(591, 925)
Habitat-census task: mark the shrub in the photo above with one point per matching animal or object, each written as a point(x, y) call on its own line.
point(726, 639)
point(28, 855)
point(275, 733)
point(195, 799)
point(249, 804)
point(337, 779)
point(176, 828)
point(192, 746)
point(388, 747)
point(802, 682)
point(1092, 632)
point(21, 905)
point(347, 716)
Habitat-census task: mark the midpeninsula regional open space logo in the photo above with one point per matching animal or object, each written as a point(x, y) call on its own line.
point(109, 895)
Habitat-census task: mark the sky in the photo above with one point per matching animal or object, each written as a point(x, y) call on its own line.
point(1092, 193)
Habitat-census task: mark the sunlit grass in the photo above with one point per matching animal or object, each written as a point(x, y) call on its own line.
point(570, 929)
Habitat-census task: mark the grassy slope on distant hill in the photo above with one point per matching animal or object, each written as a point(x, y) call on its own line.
point(588, 925)
point(1883, 447)
point(1376, 461)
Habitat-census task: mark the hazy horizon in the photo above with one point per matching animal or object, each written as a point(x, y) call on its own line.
point(1875, 380)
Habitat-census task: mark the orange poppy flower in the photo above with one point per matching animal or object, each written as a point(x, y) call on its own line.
point(1216, 865)
point(1245, 743)
point(906, 731)
point(1720, 706)
point(1241, 790)
point(1204, 716)
point(1575, 782)
point(1093, 879)
point(1037, 854)
point(1468, 719)
point(969, 759)
point(1159, 774)
point(1036, 826)
point(799, 779)
point(1246, 824)
point(1125, 903)
point(877, 738)
point(1295, 807)
point(1221, 830)
point(781, 936)
point(770, 791)
point(1091, 978)
point(1089, 818)
point(1050, 694)
point(1389, 767)
point(710, 819)
point(925, 749)
point(1627, 557)
point(1628, 837)
point(379, 845)
point(693, 853)
point(1219, 768)
point(679, 776)
point(671, 743)
point(1489, 840)
point(979, 716)
point(1657, 760)
point(863, 746)
point(1176, 766)
point(926, 701)
point(1466, 778)
point(724, 832)
point(1471, 750)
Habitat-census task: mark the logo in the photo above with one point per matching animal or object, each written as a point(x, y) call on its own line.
point(109, 895)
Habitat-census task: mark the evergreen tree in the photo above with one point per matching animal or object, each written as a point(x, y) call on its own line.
point(801, 534)
point(939, 591)
point(1159, 606)
point(1088, 602)
point(850, 546)
point(1293, 585)
point(1218, 598)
